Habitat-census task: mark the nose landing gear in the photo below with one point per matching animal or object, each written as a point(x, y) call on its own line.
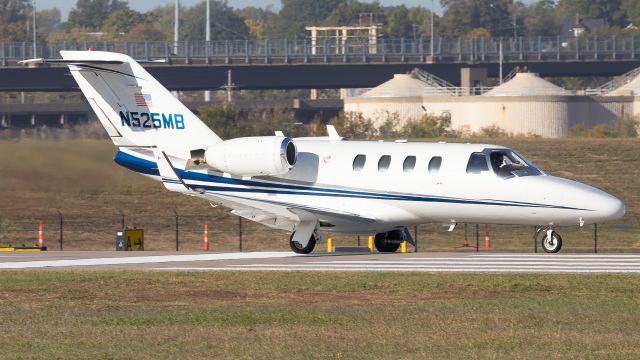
point(551, 241)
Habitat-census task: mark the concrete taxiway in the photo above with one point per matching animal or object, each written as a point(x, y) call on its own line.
point(287, 261)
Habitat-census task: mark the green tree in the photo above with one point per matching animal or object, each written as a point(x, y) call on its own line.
point(611, 11)
point(225, 23)
point(462, 16)
point(48, 21)
point(389, 129)
point(91, 14)
point(420, 19)
point(267, 121)
point(13, 19)
point(225, 120)
point(164, 17)
point(541, 19)
point(14, 11)
point(428, 126)
point(347, 13)
point(257, 20)
point(123, 20)
point(296, 14)
point(632, 9)
point(354, 125)
point(398, 24)
point(144, 32)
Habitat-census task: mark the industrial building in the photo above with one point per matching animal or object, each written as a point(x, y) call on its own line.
point(525, 104)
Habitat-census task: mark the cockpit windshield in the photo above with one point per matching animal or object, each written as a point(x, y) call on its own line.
point(506, 163)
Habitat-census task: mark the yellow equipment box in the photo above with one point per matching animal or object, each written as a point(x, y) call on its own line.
point(130, 240)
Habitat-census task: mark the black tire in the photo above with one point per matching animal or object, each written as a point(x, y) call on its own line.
point(384, 246)
point(299, 249)
point(551, 246)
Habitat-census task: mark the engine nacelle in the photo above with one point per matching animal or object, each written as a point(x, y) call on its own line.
point(253, 156)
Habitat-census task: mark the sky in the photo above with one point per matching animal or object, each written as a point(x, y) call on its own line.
point(144, 5)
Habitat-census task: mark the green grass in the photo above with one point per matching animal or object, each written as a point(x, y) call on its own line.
point(155, 315)
point(80, 179)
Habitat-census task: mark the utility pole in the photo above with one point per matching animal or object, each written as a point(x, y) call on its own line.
point(207, 93)
point(33, 10)
point(176, 27)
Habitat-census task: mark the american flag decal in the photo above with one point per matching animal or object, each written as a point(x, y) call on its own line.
point(143, 100)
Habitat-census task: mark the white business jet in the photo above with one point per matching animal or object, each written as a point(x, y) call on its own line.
point(308, 186)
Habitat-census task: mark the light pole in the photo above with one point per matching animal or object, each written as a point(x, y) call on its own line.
point(432, 36)
point(208, 29)
point(33, 11)
point(176, 27)
point(207, 93)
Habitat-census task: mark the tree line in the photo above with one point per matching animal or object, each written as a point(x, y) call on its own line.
point(115, 20)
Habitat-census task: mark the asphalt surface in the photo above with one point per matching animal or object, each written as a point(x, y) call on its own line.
point(287, 261)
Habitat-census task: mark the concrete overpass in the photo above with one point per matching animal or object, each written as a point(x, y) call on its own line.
point(283, 64)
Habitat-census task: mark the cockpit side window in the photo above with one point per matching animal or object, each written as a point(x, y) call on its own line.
point(506, 163)
point(477, 163)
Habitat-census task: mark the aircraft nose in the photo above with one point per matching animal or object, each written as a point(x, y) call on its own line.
point(610, 207)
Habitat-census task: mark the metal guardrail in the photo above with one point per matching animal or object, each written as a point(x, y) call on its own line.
point(461, 49)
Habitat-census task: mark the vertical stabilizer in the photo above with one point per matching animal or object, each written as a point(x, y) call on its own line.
point(134, 108)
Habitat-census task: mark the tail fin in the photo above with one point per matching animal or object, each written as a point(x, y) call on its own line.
point(134, 108)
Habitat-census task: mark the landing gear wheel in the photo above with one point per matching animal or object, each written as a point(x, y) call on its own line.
point(385, 246)
point(299, 249)
point(551, 244)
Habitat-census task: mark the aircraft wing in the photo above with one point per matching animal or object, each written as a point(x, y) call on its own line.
point(173, 182)
point(331, 215)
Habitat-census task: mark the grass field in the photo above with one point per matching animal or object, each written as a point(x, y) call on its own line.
point(276, 315)
point(80, 179)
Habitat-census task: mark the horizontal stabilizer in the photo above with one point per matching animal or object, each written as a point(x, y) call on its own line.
point(69, 61)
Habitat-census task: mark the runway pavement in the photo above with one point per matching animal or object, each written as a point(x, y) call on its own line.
point(287, 261)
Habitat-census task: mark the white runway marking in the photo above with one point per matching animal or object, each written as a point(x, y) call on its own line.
point(288, 261)
point(326, 269)
point(474, 263)
point(142, 260)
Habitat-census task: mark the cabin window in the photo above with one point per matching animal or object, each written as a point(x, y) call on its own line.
point(384, 162)
point(477, 163)
point(409, 164)
point(358, 162)
point(434, 164)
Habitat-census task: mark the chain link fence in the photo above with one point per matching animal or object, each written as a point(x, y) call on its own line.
point(185, 232)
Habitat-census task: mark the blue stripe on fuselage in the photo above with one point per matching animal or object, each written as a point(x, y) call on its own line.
point(136, 164)
point(151, 168)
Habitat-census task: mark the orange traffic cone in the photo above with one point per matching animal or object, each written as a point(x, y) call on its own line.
point(40, 238)
point(205, 245)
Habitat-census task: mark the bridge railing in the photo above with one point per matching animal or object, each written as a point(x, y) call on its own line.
point(461, 49)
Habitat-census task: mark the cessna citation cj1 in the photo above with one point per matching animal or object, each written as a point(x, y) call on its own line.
point(308, 186)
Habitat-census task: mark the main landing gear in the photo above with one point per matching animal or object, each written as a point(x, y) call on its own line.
point(299, 248)
point(551, 241)
point(388, 242)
